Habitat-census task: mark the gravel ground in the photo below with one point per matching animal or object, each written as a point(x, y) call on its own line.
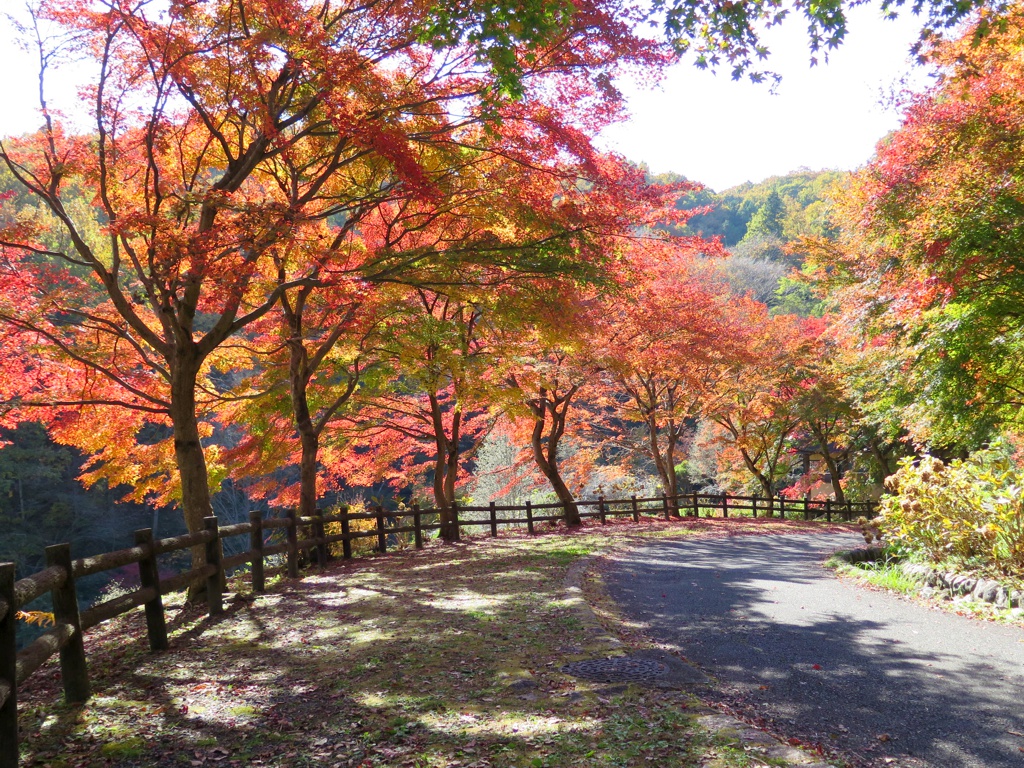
point(878, 679)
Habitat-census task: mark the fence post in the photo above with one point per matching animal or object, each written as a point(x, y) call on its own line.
point(807, 508)
point(73, 671)
point(494, 519)
point(849, 511)
point(725, 505)
point(636, 509)
point(8, 671)
point(346, 530)
point(455, 521)
point(149, 577)
point(293, 543)
point(382, 539)
point(214, 582)
point(600, 510)
point(696, 506)
point(664, 506)
point(782, 507)
point(529, 516)
point(417, 524)
point(256, 547)
point(828, 510)
point(320, 533)
point(753, 505)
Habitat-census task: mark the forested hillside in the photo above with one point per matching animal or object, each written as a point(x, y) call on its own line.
point(762, 225)
point(780, 207)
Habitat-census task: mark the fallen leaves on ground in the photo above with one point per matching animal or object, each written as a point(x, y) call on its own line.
point(445, 657)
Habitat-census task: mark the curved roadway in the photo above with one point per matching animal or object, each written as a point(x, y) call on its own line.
point(881, 679)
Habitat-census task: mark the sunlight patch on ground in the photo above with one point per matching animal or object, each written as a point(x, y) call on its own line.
point(521, 574)
point(469, 602)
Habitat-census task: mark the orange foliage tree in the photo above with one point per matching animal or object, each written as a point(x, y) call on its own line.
point(667, 340)
point(756, 407)
point(224, 132)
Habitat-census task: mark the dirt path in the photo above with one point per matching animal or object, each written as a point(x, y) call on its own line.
point(884, 680)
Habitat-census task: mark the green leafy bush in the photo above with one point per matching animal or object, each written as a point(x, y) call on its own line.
point(970, 511)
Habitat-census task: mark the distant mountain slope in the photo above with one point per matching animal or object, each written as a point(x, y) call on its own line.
point(800, 200)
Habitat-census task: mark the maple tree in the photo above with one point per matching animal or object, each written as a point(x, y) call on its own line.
point(756, 409)
point(732, 34)
point(224, 132)
point(549, 385)
point(669, 337)
point(825, 408)
point(927, 268)
point(430, 405)
point(551, 367)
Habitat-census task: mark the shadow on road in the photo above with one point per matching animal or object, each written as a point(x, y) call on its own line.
point(866, 673)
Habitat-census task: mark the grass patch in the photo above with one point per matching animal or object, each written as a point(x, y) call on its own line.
point(882, 574)
point(129, 748)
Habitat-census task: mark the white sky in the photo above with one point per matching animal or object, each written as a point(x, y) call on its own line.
point(724, 132)
point(708, 127)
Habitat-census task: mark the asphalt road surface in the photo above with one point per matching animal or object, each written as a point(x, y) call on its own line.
point(872, 675)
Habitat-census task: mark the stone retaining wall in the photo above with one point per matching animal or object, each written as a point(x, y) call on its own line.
point(986, 590)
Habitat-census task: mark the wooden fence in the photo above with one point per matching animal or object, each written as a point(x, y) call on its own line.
point(58, 578)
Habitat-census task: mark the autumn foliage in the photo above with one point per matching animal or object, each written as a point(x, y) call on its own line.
point(317, 248)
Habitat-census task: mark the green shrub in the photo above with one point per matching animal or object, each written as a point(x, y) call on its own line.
point(971, 511)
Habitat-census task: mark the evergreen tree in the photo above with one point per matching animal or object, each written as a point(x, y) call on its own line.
point(767, 222)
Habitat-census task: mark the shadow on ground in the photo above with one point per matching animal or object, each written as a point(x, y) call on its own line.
point(863, 672)
point(445, 657)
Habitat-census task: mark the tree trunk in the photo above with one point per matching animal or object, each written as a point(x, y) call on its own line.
point(547, 459)
point(769, 492)
point(833, 469)
point(565, 497)
point(310, 442)
point(191, 461)
point(444, 507)
point(309, 438)
point(672, 490)
point(446, 466)
point(763, 480)
point(664, 460)
point(660, 463)
point(880, 456)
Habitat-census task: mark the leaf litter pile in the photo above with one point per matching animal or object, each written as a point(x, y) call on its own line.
point(448, 656)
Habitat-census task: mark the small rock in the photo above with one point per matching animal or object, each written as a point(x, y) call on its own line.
point(991, 590)
point(789, 754)
point(754, 736)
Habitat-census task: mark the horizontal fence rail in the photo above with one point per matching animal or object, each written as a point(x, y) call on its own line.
point(305, 538)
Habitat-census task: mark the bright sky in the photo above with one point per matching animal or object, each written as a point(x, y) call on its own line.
point(724, 132)
point(707, 127)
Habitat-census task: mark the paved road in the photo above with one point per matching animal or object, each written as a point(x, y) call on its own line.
point(758, 613)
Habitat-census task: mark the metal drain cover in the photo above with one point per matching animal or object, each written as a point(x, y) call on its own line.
point(619, 669)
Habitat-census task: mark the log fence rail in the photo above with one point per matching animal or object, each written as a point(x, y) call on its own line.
point(65, 638)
